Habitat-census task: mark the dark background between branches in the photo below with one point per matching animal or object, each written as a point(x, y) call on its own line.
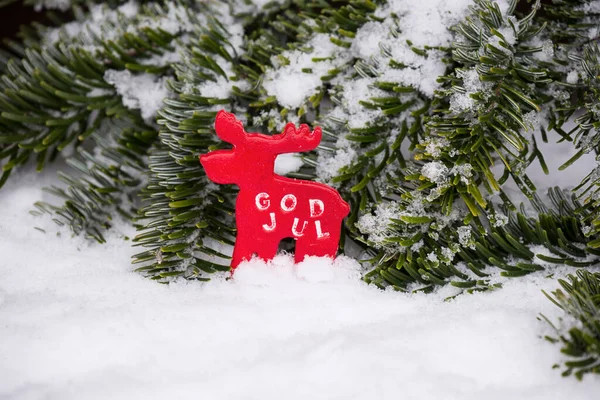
point(16, 14)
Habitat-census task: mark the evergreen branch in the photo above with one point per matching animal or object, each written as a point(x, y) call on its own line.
point(464, 258)
point(61, 96)
point(437, 214)
point(580, 300)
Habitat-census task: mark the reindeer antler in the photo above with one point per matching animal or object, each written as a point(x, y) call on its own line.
point(229, 128)
point(294, 140)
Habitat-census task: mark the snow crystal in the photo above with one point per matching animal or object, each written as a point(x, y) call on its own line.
point(461, 100)
point(175, 22)
point(548, 48)
point(435, 171)
point(434, 146)
point(448, 254)
point(375, 225)
point(471, 81)
point(573, 77)
point(428, 20)
point(144, 92)
point(561, 95)
point(593, 32)
point(262, 3)
point(498, 219)
point(465, 171)
point(532, 119)
point(417, 246)
point(464, 236)
point(432, 257)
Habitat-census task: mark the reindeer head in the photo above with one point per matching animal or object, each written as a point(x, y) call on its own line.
point(252, 158)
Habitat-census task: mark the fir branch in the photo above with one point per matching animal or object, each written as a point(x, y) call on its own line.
point(580, 300)
point(439, 215)
point(464, 258)
point(59, 97)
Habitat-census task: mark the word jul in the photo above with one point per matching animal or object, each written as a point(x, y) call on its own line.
point(288, 203)
point(269, 207)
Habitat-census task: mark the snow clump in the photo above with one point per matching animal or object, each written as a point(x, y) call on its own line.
point(144, 92)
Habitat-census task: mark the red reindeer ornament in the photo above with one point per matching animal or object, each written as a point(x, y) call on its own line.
point(270, 207)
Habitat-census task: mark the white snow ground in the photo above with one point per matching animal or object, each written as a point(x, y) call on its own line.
point(77, 323)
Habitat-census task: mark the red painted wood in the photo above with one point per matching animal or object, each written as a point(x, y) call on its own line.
point(270, 207)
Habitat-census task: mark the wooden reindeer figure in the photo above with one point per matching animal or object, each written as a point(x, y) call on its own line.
point(270, 207)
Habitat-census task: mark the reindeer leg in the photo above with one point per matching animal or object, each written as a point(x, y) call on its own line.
point(266, 250)
point(249, 242)
point(326, 247)
point(244, 249)
point(241, 252)
point(244, 252)
point(302, 250)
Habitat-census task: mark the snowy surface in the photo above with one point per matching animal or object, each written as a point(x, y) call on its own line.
point(77, 323)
